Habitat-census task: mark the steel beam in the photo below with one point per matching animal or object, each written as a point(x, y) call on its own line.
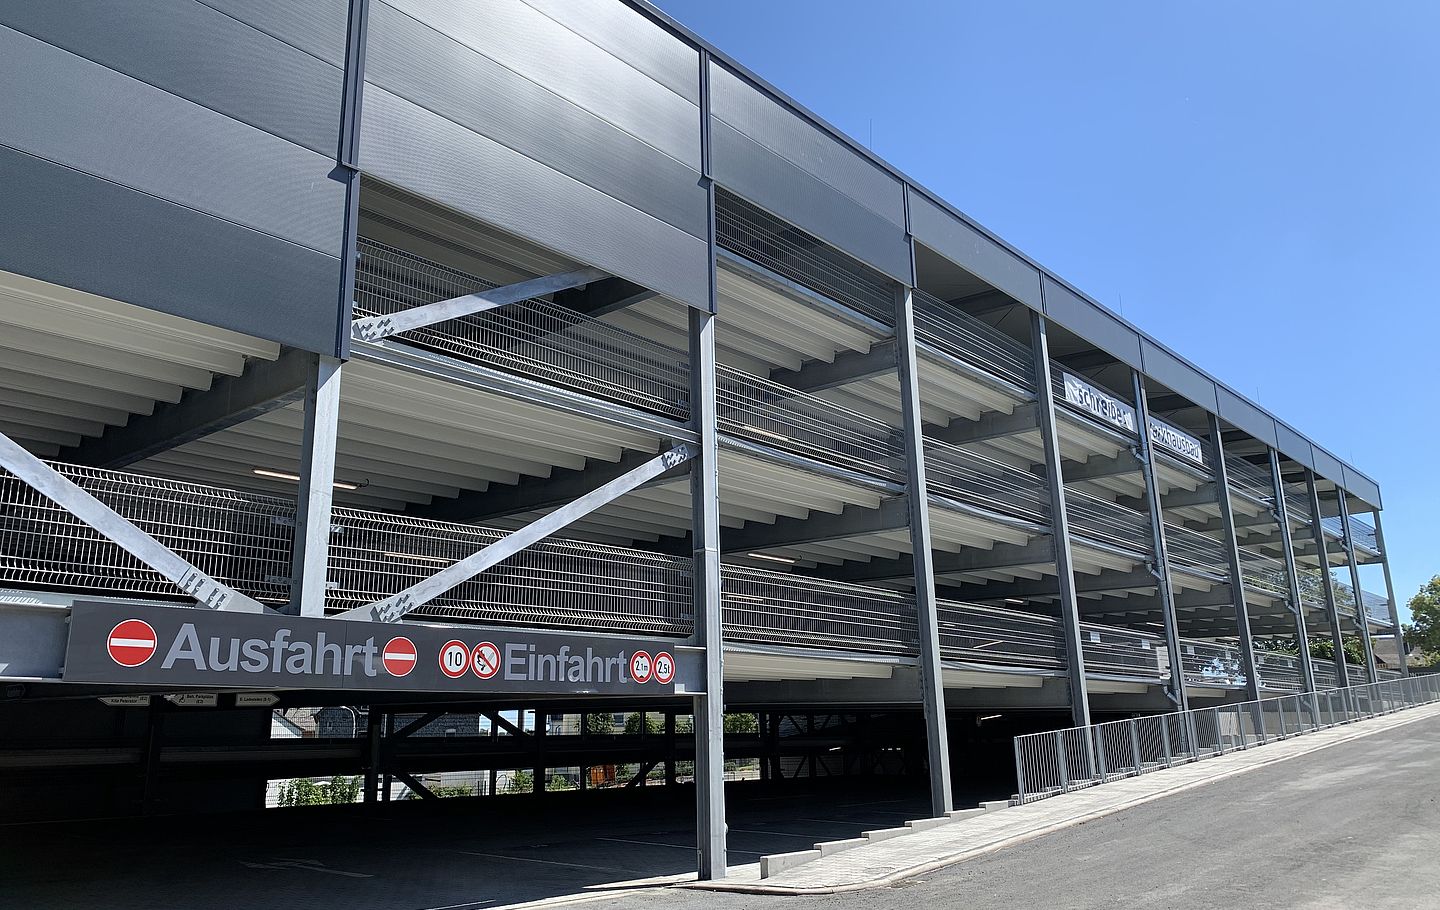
point(264, 386)
point(1101, 466)
point(971, 559)
point(310, 556)
point(1362, 616)
point(1059, 516)
point(847, 367)
point(854, 521)
point(1292, 575)
point(991, 425)
point(1108, 580)
point(1157, 541)
point(535, 493)
point(1327, 583)
point(932, 688)
point(1232, 554)
point(708, 707)
point(1390, 595)
point(49, 483)
point(598, 298)
point(395, 607)
point(374, 328)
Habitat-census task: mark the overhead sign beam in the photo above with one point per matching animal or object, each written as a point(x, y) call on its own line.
point(208, 592)
point(395, 607)
point(374, 328)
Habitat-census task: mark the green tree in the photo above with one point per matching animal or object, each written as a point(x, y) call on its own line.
point(653, 723)
point(600, 724)
point(306, 792)
point(521, 782)
point(1424, 629)
point(742, 723)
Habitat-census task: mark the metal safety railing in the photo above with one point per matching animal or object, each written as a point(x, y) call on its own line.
point(1059, 761)
point(779, 608)
point(971, 633)
point(1196, 552)
point(1264, 573)
point(787, 251)
point(1209, 663)
point(1108, 522)
point(1279, 671)
point(951, 330)
point(1297, 506)
point(1249, 478)
point(1363, 533)
point(1122, 652)
point(968, 476)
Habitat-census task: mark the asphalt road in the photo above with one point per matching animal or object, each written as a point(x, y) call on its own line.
point(1352, 826)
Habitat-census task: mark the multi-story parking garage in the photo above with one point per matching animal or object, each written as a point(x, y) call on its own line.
point(522, 360)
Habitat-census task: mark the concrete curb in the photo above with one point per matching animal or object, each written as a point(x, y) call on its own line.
point(1013, 840)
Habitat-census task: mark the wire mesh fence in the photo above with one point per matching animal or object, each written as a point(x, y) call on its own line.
point(1264, 573)
point(955, 332)
point(955, 471)
point(1249, 478)
point(1108, 522)
point(1211, 663)
point(1058, 761)
point(1196, 552)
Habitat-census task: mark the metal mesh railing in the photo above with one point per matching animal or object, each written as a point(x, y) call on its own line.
point(1356, 674)
point(778, 608)
point(1279, 671)
point(1122, 652)
point(1264, 573)
point(1326, 676)
point(240, 539)
point(1297, 506)
point(791, 253)
point(1108, 522)
point(534, 338)
point(1249, 478)
point(1364, 533)
point(1189, 549)
point(1211, 663)
point(957, 472)
point(774, 415)
point(1058, 761)
point(957, 333)
point(972, 633)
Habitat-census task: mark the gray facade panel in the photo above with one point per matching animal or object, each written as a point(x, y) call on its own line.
point(627, 34)
point(1090, 322)
point(73, 229)
point(417, 63)
point(1177, 375)
point(200, 54)
point(56, 103)
point(740, 164)
point(796, 140)
point(523, 39)
point(973, 251)
point(1245, 416)
point(315, 26)
point(1328, 466)
point(435, 158)
point(1361, 486)
point(1294, 444)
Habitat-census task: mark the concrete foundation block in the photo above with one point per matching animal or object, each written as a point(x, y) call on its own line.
point(954, 814)
point(829, 847)
point(884, 834)
point(992, 805)
point(779, 862)
point(925, 824)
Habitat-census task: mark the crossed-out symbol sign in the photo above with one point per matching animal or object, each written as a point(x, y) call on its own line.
point(485, 660)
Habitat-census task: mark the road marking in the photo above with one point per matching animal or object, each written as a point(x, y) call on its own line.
point(465, 906)
point(773, 833)
point(651, 843)
point(307, 865)
point(548, 862)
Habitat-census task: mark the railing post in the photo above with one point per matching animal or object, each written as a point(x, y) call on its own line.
point(1060, 524)
point(1158, 544)
point(1165, 740)
point(310, 556)
point(1135, 746)
point(1390, 595)
point(1098, 745)
point(1362, 616)
point(1060, 756)
point(1020, 743)
point(1232, 552)
point(931, 673)
point(1327, 583)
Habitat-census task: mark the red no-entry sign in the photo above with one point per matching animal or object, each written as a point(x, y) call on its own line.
point(641, 666)
point(131, 643)
point(398, 657)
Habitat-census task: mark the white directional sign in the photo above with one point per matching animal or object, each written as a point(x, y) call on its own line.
point(194, 699)
point(255, 699)
point(126, 701)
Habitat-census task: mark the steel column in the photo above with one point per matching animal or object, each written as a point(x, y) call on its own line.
point(708, 708)
point(1302, 637)
point(1060, 524)
point(1390, 594)
point(1327, 584)
point(1232, 552)
point(1362, 616)
point(310, 558)
point(932, 683)
point(1162, 555)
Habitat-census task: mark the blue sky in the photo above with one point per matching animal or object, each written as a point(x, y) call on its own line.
point(1253, 183)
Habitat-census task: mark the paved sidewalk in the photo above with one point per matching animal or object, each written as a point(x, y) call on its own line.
point(892, 860)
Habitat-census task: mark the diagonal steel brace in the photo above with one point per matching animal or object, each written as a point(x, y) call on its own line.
point(374, 328)
point(116, 527)
point(393, 608)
